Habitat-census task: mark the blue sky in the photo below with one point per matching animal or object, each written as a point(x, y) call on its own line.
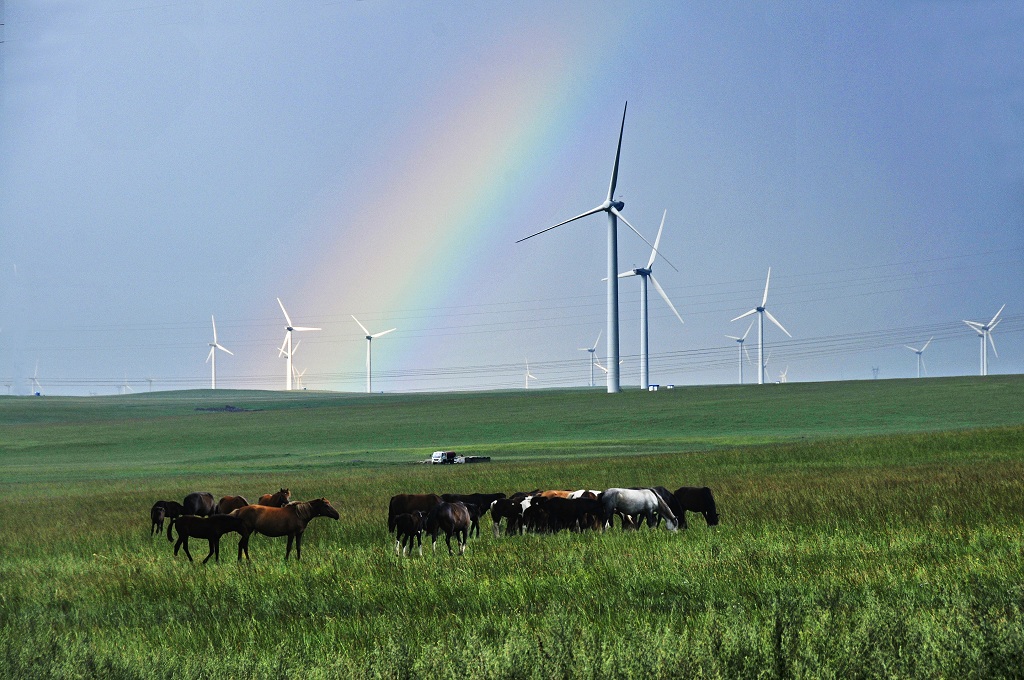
point(162, 163)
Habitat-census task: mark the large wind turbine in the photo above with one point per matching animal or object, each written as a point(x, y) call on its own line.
point(369, 342)
point(919, 352)
point(286, 349)
point(762, 312)
point(742, 349)
point(593, 356)
point(612, 208)
point(211, 357)
point(529, 376)
point(646, 273)
point(985, 331)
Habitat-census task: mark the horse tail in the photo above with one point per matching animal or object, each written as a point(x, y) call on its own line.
point(664, 509)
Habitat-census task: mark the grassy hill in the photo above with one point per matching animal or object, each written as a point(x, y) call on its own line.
point(167, 433)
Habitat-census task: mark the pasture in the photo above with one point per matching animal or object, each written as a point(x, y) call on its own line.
point(869, 529)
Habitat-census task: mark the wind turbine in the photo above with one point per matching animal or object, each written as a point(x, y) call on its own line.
point(612, 208)
point(529, 376)
point(297, 374)
point(761, 312)
point(286, 348)
point(125, 387)
point(783, 374)
point(646, 273)
point(985, 331)
point(211, 358)
point(369, 342)
point(593, 356)
point(742, 349)
point(37, 389)
point(920, 359)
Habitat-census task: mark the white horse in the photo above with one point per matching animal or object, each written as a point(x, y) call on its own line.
point(638, 502)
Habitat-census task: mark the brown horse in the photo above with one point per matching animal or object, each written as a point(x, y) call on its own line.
point(290, 521)
point(275, 500)
point(229, 503)
point(451, 518)
point(410, 502)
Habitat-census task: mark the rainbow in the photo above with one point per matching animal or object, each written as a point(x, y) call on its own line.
point(403, 245)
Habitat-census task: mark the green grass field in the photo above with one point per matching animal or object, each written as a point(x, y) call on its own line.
point(869, 529)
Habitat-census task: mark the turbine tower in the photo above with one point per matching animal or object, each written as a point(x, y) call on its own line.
point(529, 376)
point(593, 356)
point(369, 342)
point(211, 358)
point(919, 352)
point(612, 208)
point(646, 273)
point(985, 331)
point(286, 348)
point(762, 312)
point(742, 349)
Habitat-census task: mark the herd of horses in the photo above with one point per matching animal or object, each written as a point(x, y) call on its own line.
point(410, 516)
point(199, 516)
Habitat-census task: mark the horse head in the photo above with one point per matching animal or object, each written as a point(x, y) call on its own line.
point(322, 508)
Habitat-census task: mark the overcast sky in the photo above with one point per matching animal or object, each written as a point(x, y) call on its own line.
point(162, 163)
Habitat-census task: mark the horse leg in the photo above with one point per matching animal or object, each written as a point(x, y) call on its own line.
point(419, 541)
point(288, 551)
point(170, 525)
point(213, 549)
point(462, 544)
point(243, 546)
point(185, 546)
point(298, 546)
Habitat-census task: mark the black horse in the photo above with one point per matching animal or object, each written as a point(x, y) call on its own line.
point(171, 511)
point(211, 528)
point(696, 499)
point(451, 518)
point(200, 503)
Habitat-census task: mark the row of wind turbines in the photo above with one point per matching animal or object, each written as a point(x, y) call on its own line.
point(613, 209)
point(293, 377)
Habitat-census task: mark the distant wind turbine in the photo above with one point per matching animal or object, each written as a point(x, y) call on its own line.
point(762, 312)
point(593, 356)
point(742, 348)
point(920, 359)
point(211, 358)
point(646, 273)
point(286, 348)
point(529, 376)
point(985, 331)
point(612, 208)
point(125, 387)
point(369, 341)
point(37, 389)
point(783, 375)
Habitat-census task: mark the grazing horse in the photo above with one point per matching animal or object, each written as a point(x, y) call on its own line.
point(451, 518)
point(644, 502)
point(290, 521)
point(410, 502)
point(211, 528)
point(199, 503)
point(409, 527)
point(228, 503)
point(172, 510)
point(697, 499)
point(278, 499)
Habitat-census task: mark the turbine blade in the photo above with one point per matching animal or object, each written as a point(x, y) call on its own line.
point(733, 337)
point(286, 317)
point(592, 211)
point(776, 322)
point(975, 325)
point(360, 325)
point(664, 296)
point(927, 343)
point(748, 329)
point(598, 339)
point(618, 151)
point(284, 343)
point(912, 349)
point(377, 335)
point(997, 315)
point(631, 272)
point(924, 366)
point(764, 299)
point(657, 240)
point(749, 360)
point(210, 355)
point(619, 215)
point(224, 349)
point(993, 343)
point(752, 311)
point(214, 329)
point(305, 328)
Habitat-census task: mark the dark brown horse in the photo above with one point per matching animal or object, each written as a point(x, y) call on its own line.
point(290, 521)
point(211, 528)
point(278, 499)
point(199, 503)
point(451, 518)
point(409, 528)
point(697, 499)
point(156, 516)
point(410, 502)
point(172, 510)
point(229, 503)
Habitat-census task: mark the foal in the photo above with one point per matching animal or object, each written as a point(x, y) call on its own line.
point(211, 528)
point(409, 527)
